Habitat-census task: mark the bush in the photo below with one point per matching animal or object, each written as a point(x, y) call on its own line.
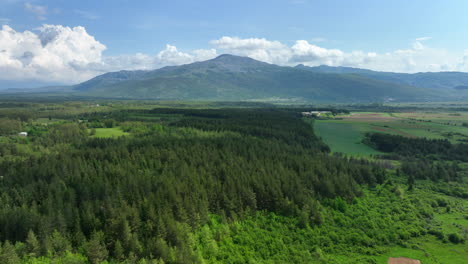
point(437, 233)
point(455, 238)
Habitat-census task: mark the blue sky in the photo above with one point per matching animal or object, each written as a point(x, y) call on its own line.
point(405, 36)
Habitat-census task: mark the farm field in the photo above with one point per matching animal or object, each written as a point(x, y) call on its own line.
point(344, 137)
point(345, 132)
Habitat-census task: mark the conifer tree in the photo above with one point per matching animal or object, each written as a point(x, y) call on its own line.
point(32, 245)
point(8, 254)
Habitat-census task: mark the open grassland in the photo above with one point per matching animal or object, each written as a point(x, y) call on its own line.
point(344, 137)
point(345, 132)
point(429, 251)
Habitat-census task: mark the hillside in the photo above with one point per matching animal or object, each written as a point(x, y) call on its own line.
point(229, 77)
point(433, 80)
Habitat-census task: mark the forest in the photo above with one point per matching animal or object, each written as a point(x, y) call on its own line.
point(192, 185)
point(422, 158)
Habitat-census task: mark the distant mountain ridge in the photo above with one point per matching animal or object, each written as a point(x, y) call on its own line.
point(229, 77)
point(433, 80)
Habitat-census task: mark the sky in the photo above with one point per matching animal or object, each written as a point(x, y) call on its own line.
point(67, 42)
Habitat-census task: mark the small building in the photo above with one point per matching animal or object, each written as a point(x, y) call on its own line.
point(403, 261)
point(315, 113)
point(23, 134)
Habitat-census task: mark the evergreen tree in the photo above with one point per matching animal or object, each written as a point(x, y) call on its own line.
point(32, 245)
point(8, 254)
point(95, 249)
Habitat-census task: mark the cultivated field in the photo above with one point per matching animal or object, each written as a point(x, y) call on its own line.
point(344, 133)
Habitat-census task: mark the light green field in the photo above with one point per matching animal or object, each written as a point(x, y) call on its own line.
point(109, 132)
point(344, 133)
point(343, 137)
point(429, 251)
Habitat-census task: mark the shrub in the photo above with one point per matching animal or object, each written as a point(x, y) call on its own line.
point(455, 238)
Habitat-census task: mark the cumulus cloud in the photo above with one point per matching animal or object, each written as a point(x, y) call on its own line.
point(170, 56)
point(55, 53)
point(304, 52)
point(417, 58)
point(39, 11)
point(69, 55)
point(256, 48)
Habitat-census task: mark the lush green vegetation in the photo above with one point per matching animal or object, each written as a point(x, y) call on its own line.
point(123, 182)
point(418, 147)
point(107, 132)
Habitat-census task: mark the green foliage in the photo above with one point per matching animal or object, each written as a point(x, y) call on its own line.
point(455, 238)
point(95, 248)
point(8, 254)
point(141, 197)
point(206, 186)
point(9, 126)
point(32, 245)
point(369, 227)
point(418, 147)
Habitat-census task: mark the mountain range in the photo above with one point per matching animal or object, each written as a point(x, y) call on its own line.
point(230, 77)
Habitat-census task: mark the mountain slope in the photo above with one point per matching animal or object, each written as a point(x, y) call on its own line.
point(433, 80)
point(229, 77)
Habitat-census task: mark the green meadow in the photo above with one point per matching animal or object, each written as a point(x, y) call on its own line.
point(344, 133)
point(343, 137)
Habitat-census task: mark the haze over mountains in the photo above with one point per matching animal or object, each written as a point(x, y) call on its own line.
point(230, 77)
point(434, 80)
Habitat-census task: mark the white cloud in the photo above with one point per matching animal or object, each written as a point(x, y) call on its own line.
point(204, 54)
point(38, 10)
point(417, 58)
point(303, 52)
point(256, 48)
point(69, 55)
point(55, 53)
point(171, 56)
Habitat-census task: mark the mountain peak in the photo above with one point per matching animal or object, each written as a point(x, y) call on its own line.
point(234, 59)
point(229, 57)
point(224, 56)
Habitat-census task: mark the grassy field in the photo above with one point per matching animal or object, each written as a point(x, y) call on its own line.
point(345, 132)
point(343, 137)
point(110, 132)
point(429, 251)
